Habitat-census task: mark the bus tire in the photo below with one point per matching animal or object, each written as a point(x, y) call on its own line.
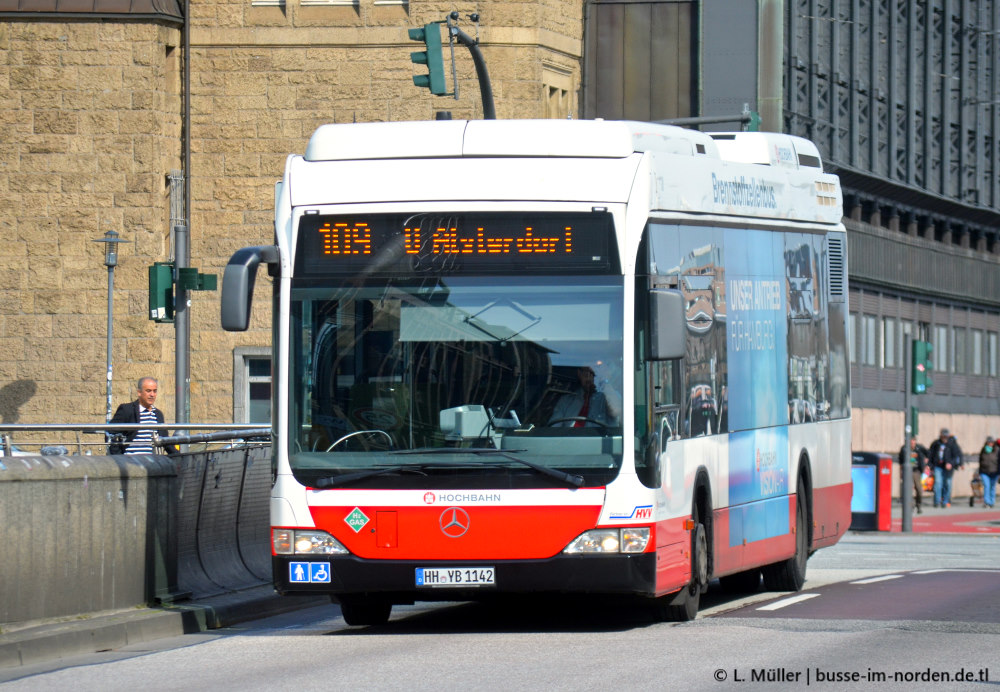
point(741, 582)
point(790, 574)
point(683, 606)
point(360, 610)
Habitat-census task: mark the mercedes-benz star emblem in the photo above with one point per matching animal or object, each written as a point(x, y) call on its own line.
point(454, 522)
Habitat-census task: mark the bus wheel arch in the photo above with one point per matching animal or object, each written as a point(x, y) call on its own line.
point(805, 486)
point(683, 605)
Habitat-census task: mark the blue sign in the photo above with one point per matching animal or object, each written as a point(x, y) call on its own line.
point(309, 572)
point(756, 329)
point(758, 485)
point(319, 572)
point(863, 497)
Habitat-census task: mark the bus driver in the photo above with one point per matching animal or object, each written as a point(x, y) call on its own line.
point(585, 407)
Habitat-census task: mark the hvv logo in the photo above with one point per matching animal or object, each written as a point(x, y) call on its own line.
point(643, 512)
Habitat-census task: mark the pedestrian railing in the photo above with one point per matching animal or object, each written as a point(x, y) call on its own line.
point(109, 433)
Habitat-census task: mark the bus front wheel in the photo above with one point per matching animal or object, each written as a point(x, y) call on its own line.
point(359, 610)
point(683, 606)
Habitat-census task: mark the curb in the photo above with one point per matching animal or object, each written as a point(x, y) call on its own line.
point(49, 642)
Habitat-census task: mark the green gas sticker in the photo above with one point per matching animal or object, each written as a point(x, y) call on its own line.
point(356, 519)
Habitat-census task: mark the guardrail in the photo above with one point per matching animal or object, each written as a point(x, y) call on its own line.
point(106, 430)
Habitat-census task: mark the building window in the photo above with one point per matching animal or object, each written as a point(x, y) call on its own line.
point(252, 385)
point(960, 350)
point(941, 361)
point(991, 353)
point(890, 347)
point(977, 352)
point(557, 90)
point(869, 340)
point(556, 102)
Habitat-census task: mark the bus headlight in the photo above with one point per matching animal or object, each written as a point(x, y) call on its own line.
point(305, 542)
point(627, 540)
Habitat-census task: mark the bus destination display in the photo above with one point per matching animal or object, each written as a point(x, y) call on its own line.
point(401, 244)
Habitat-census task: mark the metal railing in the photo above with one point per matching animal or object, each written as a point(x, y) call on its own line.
point(224, 432)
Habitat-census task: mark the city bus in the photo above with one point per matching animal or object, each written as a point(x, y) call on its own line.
point(544, 356)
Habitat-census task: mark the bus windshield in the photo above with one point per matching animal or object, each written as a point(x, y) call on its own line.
point(477, 381)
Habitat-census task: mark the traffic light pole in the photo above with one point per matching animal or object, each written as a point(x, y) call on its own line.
point(905, 467)
point(485, 88)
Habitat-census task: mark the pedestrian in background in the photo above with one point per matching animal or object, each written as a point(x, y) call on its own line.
point(914, 455)
point(989, 469)
point(140, 411)
point(945, 456)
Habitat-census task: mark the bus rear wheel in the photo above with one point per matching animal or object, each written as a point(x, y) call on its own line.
point(790, 574)
point(360, 610)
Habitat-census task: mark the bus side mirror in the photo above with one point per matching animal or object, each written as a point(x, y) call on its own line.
point(667, 327)
point(237, 284)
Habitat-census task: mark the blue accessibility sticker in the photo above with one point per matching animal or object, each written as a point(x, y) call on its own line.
point(319, 572)
point(309, 572)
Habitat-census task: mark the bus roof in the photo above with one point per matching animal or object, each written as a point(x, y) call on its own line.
point(673, 169)
point(548, 138)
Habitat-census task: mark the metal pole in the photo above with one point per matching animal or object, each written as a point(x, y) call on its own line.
point(182, 329)
point(485, 88)
point(771, 47)
point(111, 303)
point(111, 241)
point(905, 470)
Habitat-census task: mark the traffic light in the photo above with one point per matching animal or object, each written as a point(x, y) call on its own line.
point(161, 292)
point(922, 364)
point(430, 34)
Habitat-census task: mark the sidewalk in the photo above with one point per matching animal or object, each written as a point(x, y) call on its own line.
point(41, 643)
point(959, 518)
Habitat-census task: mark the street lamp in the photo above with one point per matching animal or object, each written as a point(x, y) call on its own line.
point(110, 241)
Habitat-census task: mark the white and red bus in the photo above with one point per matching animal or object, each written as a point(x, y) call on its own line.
point(582, 357)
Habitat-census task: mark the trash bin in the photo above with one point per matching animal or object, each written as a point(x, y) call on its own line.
point(871, 499)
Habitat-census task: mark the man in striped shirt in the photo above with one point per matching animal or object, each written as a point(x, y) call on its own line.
point(140, 411)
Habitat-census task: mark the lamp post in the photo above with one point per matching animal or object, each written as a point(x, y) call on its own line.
point(110, 241)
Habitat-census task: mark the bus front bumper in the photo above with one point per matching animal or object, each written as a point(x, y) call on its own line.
point(397, 580)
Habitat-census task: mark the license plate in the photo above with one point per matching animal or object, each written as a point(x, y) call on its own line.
point(456, 576)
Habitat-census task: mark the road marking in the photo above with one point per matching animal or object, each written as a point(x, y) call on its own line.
point(788, 601)
point(954, 569)
point(872, 580)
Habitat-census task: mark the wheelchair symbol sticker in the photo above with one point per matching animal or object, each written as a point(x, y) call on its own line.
point(309, 572)
point(319, 572)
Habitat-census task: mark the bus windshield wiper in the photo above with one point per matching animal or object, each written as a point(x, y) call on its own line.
point(573, 479)
point(347, 478)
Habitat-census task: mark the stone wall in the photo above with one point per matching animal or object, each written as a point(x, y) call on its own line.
point(90, 113)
